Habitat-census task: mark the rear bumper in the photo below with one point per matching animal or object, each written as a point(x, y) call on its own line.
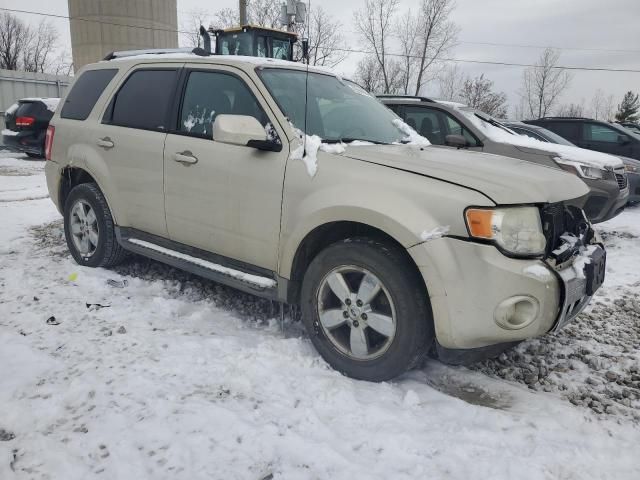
point(469, 285)
point(27, 142)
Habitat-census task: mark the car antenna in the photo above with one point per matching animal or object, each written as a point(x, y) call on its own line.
point(305, 54)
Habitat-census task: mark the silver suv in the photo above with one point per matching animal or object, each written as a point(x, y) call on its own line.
point(392, 248)
point(456, 125)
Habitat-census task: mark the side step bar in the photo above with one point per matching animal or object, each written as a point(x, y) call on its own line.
point(198, 262)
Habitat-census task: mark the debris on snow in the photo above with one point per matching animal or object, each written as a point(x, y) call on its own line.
point(52, 321)
point(121, 329)
point(6, 436)
point(96, 306)
point(437, 232)
point(117, 284)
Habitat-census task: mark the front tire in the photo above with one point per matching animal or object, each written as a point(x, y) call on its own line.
point(366, 309)
point(89, 228)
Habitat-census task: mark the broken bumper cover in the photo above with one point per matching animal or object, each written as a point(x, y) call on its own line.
point(580, 282)
point(470, 284)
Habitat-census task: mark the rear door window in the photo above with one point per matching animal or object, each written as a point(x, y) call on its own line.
point(85, 93)
point(594, 132)
point(143, 101)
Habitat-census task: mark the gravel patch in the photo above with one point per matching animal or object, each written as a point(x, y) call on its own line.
point(594, 362)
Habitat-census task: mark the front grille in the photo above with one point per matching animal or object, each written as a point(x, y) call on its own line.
point(621, 178)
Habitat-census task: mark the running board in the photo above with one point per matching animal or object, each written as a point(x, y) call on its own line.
point(196, 262)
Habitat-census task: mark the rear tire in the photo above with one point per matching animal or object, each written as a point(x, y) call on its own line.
point(35, 155)
point(89, 228)
point(396, 329)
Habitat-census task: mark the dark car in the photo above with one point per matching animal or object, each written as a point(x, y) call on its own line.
point(634, 127)
point(594, 135)
point(26, 125)
point(631, 166)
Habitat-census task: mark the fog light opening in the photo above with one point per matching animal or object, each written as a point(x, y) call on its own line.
point(516, 312)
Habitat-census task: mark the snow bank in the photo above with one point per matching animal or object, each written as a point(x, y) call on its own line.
point(565, 152)
point(411, 136)
point(437, 232)
point(50, 102)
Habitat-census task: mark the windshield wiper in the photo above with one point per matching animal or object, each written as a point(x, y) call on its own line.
point(350, 139)
point(493, 122)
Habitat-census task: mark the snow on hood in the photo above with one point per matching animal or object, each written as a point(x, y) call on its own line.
point(51, 103)
point(565, 152)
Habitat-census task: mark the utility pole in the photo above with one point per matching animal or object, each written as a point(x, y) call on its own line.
point(243, 12)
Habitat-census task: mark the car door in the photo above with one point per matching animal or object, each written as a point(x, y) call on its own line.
point(131, 141)
point(596, 136)
point(224, 198)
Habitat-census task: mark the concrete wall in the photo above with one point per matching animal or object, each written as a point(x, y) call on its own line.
point(96, 27)
point(15, 85)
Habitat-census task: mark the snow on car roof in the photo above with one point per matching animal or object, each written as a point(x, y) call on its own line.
point(50, 102)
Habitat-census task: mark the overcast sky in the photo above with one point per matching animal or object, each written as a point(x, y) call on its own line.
point(569, 24)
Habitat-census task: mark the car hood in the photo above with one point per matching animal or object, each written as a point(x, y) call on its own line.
point(504, 180)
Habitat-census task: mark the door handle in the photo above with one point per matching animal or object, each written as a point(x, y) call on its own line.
point(185, 158)
point(105, 142)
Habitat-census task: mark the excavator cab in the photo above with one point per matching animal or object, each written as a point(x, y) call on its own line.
point(254, 41)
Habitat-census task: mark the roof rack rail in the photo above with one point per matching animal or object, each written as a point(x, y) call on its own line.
point(156, 51)
point(405, 97)
point(564, 118)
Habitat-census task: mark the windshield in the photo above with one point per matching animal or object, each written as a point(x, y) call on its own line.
point(337, 110)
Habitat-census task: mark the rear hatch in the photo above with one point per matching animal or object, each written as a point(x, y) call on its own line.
point(31, 115)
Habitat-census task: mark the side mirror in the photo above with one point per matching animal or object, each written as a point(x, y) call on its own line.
point(242, 130)
point(457, 141)
point(623, 139)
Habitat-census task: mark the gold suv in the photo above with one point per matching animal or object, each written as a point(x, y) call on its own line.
point(393, 248)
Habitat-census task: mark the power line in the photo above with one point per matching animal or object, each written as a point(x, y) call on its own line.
point(489, 62)
point(347, 50)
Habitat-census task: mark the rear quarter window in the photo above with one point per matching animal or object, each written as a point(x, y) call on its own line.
point(85, 93)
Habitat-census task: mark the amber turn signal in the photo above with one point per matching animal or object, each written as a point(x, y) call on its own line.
point(480, 222)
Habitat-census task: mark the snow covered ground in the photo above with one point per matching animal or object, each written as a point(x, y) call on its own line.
point(175, 377)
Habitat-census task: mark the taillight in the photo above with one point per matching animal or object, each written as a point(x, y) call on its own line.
point(48, 142)
point(25, 121)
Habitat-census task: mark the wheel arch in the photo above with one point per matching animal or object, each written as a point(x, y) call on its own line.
point(72, 176)
point(329, 233)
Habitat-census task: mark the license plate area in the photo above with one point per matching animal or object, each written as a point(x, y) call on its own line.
point(594, 271)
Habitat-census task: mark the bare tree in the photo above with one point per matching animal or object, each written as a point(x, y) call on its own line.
point(543, 84)
point(436, 36)
point(14, 36)
point(326, 42)
point(374, 23)
point(478, 93)
point(609, 108)
point(368, 75)
point(190, 27)
point(406, 29)
point(264, 12)
point(451, 81)
point(597, 105)
point(41, 44)
point(225, 18)
point(63, 64)
point(571, 110)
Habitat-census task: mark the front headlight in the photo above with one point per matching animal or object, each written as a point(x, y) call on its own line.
point(630, 168)
point(516, 230)
point(582, 169)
